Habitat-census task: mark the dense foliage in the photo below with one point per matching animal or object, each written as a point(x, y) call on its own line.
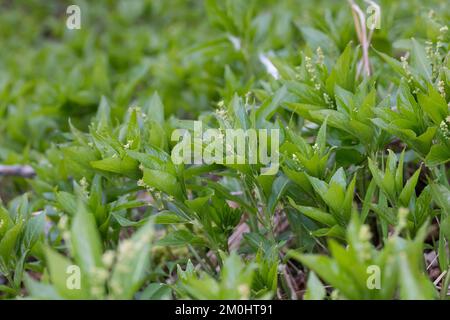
point(363, 184)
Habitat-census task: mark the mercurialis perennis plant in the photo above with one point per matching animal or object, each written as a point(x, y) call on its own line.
point(225, 149)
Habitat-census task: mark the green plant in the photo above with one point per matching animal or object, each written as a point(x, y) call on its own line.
point(105, 211)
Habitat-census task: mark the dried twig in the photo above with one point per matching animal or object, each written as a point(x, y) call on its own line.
point(290, 282)
point(364, 39)
point(236, 238)
point(17, 170)
point(439, 278)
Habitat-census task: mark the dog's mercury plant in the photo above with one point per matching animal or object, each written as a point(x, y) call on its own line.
point(338, 138)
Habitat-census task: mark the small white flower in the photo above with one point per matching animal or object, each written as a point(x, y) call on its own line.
point(444, 127)
point(441, 88)
point(141, 183)
point(108, 258)
point(83, 183)
point(128, 145)
point(402, 217)
point(320, 55)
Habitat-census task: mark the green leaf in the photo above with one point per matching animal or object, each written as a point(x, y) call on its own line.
point(278, 188)
point(330, 271)
point(320, 187)
point(124, 222)
point(34, 228)
point(399, 173)
point(240, 112)
point(126, 166)
point(5, 221)
point(58, 267)
point(348, 200)
point(321, 139)
point(433, 104)
point(86, 245)
point(445, 227)
point(156, 291)
point(343, 73)
point(269, 107)
point(67, 202)
point(103, 115)
point(441, 195)
point(395, 64)
point(167, 217)
point(368, 200)
point(180, 238)
point(132, 263)
point(316, 38)
point(9, 241)
point(39, 290)
point(439, 154)
point(419, 60)
point(409, 189)
point(314, 288)
point(315, 214)
point(163, 181)
point(413, 284)
point(155, 108)
point(339, 178)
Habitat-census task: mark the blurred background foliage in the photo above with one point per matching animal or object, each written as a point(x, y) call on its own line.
point(92, 111)
point(193, 56)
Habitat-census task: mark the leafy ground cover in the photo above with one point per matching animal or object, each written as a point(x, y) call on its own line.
point(94, 207)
